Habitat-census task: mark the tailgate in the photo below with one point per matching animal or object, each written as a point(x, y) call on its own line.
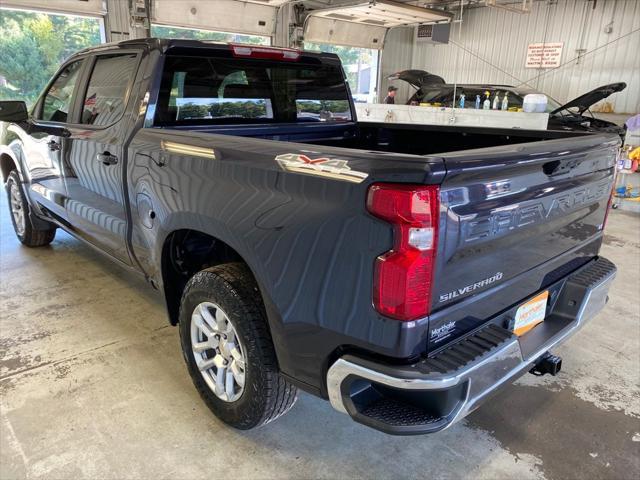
point(513, 220)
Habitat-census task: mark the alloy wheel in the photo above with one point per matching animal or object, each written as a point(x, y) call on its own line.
point(218, 352)
point(18, 213)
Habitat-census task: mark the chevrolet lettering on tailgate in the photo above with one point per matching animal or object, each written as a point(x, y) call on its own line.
point(505, 220)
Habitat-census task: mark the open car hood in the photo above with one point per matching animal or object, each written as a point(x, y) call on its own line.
point(417, 78)
point(583, 102)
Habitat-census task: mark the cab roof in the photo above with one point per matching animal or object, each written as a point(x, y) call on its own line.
point(165, 44)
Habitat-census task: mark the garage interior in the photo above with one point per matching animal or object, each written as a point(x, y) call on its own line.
point(92, 379)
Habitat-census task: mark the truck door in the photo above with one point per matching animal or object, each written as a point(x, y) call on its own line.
point(96, 206)
point(46, 145)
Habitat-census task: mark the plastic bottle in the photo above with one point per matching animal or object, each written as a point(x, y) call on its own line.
point(505, 101)
point(477, 102)
point(496, 101)
point(486, 105)
point(534, 102)
point(462, 96)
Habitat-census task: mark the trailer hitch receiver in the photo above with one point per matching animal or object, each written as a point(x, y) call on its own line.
point(547, 363)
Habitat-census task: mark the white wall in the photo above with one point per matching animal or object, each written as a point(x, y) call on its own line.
point(85, 7)
point(501, 38)
point(223, 15)
point(118, 22)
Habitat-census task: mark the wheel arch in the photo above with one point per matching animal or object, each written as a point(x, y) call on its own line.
point(7, 165)
point(185, 252)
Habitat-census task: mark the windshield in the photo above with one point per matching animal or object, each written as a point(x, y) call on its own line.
point(552, 104)
point(212, 90)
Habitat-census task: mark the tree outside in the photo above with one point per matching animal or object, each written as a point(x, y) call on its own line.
point(32, 47)
point(354, 60)
point(163, 31)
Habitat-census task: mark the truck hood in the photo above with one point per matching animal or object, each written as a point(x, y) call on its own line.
point(417, 78)
point(583, 102)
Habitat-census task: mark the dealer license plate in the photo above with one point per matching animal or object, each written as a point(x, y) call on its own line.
point(531, 313)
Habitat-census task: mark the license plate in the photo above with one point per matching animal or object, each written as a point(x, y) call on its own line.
point(531, 313)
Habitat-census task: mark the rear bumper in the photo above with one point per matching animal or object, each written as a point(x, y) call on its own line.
point(434, 393)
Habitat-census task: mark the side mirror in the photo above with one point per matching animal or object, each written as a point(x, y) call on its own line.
point(13, 111)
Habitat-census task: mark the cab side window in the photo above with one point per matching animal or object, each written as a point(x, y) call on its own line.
point(106, 94)
point(58, 99)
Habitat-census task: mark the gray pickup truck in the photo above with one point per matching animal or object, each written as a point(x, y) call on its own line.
point(402, 272)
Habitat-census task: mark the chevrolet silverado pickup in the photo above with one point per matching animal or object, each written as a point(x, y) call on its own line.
point(405, 273)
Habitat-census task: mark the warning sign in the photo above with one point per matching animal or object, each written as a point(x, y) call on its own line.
point(544, 55)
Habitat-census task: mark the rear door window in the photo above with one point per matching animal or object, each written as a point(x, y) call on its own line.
point(109, 83)
point(210, 90)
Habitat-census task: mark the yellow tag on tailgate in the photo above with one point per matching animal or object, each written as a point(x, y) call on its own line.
point(531, 313)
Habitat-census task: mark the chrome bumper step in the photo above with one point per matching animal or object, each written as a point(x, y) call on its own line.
point(466, 350)
point(434, 393)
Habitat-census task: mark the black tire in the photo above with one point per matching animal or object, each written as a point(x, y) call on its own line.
point(29, 235)
point(266, 394)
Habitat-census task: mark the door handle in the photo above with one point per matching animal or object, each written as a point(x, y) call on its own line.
point(107, 159)
point(53, 145)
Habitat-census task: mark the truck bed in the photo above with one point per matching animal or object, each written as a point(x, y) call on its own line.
point(526, 212)
point(387, 137)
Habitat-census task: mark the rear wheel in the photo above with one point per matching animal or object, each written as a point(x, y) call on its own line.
point(228, 349)
point(21, 217)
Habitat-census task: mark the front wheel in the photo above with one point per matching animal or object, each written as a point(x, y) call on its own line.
point(228, 349)
point(23, 225)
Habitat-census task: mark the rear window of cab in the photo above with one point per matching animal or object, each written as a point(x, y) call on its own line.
point(219, 90)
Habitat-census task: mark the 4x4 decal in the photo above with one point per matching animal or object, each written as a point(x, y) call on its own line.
point(322, 167)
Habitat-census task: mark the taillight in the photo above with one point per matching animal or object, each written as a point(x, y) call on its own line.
point(268, 53)
point(404, 275)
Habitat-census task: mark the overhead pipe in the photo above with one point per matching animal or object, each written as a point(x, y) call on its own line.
point(525, 7)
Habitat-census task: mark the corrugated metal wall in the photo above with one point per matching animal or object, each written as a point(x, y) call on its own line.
point(493, 46)
point(396, 55)
point(118, 21)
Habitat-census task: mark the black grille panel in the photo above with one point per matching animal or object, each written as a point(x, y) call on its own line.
point(595, 274)
point(397, 413)
point(564, 270)
point(466, 350)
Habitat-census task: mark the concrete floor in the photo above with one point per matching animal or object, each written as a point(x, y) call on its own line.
point(92, 384)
